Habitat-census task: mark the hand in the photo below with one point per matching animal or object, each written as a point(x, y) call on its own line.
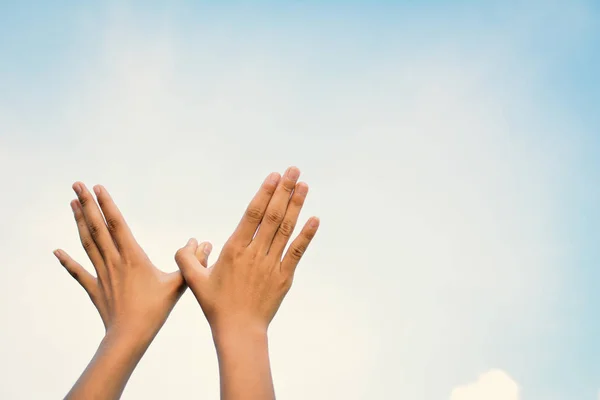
point(248, 282)
point(133, 297)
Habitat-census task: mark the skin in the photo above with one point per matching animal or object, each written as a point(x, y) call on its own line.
point(132, 296)
point(241, 293)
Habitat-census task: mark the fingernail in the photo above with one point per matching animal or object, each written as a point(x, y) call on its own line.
point(77, 188)
point(190, 241)
point(314, 222)
point(73, 205)
point(57, 253)
point(302, 188)
point(97, 190)
point(293, 173)
point(273, 178)
point(207, 248)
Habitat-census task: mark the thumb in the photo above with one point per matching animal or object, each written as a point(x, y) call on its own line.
point(202, 252)
point(189, 264)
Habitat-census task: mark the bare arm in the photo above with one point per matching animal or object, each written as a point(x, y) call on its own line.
point(132, 296)
point(107, 374)
point(241, 293)
point(244, 366)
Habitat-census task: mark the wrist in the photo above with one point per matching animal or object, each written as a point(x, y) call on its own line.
point(236, 331)
point(130, 340)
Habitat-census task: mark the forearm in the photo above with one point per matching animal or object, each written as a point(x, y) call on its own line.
point(244, 366)
point(108, 372)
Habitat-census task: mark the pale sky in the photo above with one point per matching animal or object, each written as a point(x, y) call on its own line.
point(452, 154)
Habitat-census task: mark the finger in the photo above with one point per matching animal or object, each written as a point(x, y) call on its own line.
point(277, 208)
point(299, 245)
point(289, 221)
point(80, 274)
point(189, 265)
point(95, 222)
point(202, 253)
point(255, 211)
point(117, 227)
point(88, 242)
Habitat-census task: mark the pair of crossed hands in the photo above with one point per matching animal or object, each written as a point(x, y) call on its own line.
point(240, 293)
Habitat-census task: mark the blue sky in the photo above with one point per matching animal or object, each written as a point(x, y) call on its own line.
point(484, 114)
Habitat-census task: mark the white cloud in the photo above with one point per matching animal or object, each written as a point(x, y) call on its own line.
point(493, 385)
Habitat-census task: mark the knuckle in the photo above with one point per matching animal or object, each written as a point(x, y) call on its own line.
point(250, 256)
point(180, 255)
point(287, 282)
point(288, 187)
point(270, 188)
point(115, 259)
point(286, 228)
point(229, 248)
point(297, 251)
point(83, 200)
point(274, 216)
point(112, 224)
point(87, 243)
point(288, 184)
point(74, 274)
point(126, 256)
point(94, 229)
point(254, 214)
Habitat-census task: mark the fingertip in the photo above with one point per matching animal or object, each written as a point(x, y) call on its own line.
point(97, 189)
point(293, 172)
point(57, 253)
point(301, 188)
point(192, 242)
point(207, 248)
point(77, 187)
point(273, 179)
point(184, 252)
point(202, 252)
point(314, 222)
point(74, 205)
